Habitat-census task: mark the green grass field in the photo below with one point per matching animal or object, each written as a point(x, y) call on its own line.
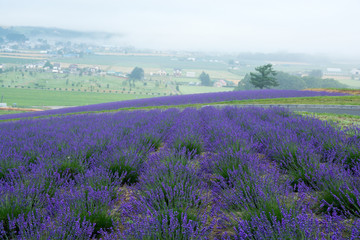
point(35, 97)
point(8, 60)
point(71, 81)
point(161, 62)
point(350, 82)
point(341, 120)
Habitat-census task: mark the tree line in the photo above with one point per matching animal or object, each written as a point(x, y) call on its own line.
point(266, 77)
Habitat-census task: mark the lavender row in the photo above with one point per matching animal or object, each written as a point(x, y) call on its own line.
point(179, 100)
point(193, 174)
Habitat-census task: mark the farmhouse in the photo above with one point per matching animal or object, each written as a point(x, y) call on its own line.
point(355, 71)
point(190, 74)
point(177, 72)
point(158, 73)
point(73, 68)
point(334, 72)
point(220, 83)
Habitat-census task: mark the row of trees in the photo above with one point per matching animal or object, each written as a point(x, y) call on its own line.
point(138, 74)
point(266, 77)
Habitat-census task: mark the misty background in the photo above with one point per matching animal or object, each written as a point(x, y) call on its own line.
point(315, 27)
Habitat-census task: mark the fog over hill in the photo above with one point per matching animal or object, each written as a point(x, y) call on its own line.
point(59, 34)
point(323, 26)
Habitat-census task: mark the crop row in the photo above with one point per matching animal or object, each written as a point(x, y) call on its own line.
point(179, 100)
point(233, 173)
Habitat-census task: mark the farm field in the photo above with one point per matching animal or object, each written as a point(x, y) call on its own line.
point(212, 173)
point(72, 82)
point(17, 60)
point(40, 98)
point(158, 62)
point(233, 97)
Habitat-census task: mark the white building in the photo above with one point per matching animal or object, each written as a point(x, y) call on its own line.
point(190, 74)
point(220, 83)
point(355, 71)
point(334, 72)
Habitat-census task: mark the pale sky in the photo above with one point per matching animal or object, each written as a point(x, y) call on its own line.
point(311, 26)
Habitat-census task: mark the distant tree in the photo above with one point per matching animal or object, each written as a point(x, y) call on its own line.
point(312, 82)
point(48, 64)
point(316, 73)
point(265, 78)
point(205, 79)
point(244, 84)
point(16, 37)
point(137, 74)
point(287, 81)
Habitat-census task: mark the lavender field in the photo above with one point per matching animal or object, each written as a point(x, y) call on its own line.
point(231, 173)
point(178, 100)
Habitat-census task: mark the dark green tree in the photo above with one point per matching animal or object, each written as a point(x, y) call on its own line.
point(265, 78)
point(205, 79)
point(244, 84)
point(136, 74)
point(287, 81)
point(317, 73)
point(16, 37)
point(48, 64)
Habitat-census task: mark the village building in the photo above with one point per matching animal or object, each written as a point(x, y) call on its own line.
point(355, 71)
point(334, 72)
point(177, 72)
point(220, 83)
point(190, 74)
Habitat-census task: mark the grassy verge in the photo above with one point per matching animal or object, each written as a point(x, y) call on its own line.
point(342, 120)
point(4, 112)
point(326, 100)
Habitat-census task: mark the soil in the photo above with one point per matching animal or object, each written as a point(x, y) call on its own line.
point(20, 109)
point(350, 91)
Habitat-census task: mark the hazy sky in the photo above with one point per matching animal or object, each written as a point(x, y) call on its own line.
point(311, 26)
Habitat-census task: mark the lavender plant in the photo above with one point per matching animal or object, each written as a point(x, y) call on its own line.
point(66, 177)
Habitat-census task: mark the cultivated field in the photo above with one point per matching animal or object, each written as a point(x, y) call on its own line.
point(191, 174)
point(35, 98)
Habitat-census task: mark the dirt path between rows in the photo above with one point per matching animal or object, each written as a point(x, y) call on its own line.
point(350, 91)
point(20, 109)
